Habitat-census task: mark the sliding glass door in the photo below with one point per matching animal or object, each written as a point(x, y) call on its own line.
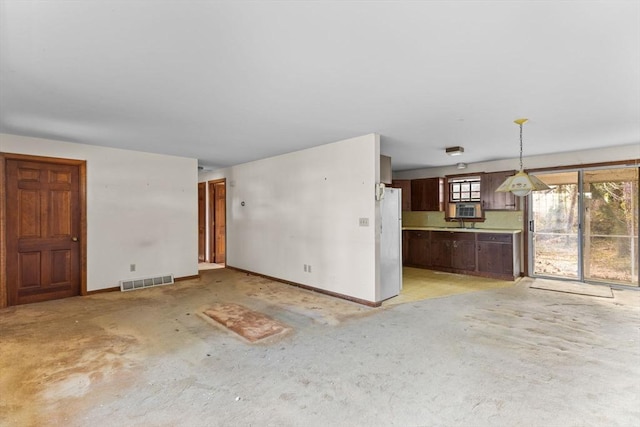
point(611, 225)
point(554, 227)
point(586, 227)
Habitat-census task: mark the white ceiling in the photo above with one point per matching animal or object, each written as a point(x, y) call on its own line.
point(232, 81)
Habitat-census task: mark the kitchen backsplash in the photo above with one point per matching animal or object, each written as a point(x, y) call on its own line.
point(510, 220)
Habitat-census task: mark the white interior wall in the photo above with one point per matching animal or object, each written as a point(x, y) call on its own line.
point(304, 208)
point(609, 154)
point(141, 209)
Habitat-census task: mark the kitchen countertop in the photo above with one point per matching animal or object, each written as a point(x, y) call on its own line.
point(464, 230)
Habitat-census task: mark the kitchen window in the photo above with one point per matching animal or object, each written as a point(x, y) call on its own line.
point(464, 189)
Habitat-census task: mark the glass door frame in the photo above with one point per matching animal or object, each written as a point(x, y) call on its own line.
point(530, 227)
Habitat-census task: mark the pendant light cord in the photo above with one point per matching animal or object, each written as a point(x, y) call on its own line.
point(521, 146)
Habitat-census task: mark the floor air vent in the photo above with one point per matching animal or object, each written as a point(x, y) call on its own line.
point(147, 282)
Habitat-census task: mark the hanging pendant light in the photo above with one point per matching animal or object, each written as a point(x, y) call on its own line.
point(522, 183)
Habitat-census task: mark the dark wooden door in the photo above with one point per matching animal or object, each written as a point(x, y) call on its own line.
point(43, 230)
point(202, 225)
point(220, 221)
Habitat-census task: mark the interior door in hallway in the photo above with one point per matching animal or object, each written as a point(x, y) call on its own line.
point(220, 221)
point(202, 225)
point(43, 228)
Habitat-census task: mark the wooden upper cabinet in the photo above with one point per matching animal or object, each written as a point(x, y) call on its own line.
point(427, 194)
point(405, 186)
point(491, 200)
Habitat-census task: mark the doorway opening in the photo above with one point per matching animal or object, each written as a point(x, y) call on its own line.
point(586, 227)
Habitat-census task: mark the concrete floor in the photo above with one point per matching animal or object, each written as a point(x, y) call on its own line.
point(503, 357)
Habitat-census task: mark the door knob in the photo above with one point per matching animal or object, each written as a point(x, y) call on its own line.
point(74, 239)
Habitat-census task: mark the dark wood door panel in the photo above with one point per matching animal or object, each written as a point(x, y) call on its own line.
point(61, 217)
point(29, 268)
point(57, 265)
point(60, 176)
point(60, 267)
point(427, 194)
point(26, 174)
point(495, 257)
point(418, 247)
point(440, 252)
point(463, 255)
point(28, 214)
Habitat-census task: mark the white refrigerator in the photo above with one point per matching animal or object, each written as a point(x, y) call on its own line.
point(390, 243)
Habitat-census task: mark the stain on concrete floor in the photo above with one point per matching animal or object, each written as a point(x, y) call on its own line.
point(55, 355)
point(508, 356)
point(50, 357)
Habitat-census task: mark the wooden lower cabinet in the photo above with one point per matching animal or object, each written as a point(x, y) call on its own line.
point(463, 251)
point(418, 249)
point(441, 249)
point(454, 250)
point(494, 255)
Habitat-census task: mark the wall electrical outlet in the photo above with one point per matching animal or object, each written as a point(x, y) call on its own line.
point(132, 267)
point(364, 222)
point(309, 269)
point(305, 268)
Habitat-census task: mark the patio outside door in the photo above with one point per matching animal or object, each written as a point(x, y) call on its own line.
point(554, 229)
point(586, 228)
